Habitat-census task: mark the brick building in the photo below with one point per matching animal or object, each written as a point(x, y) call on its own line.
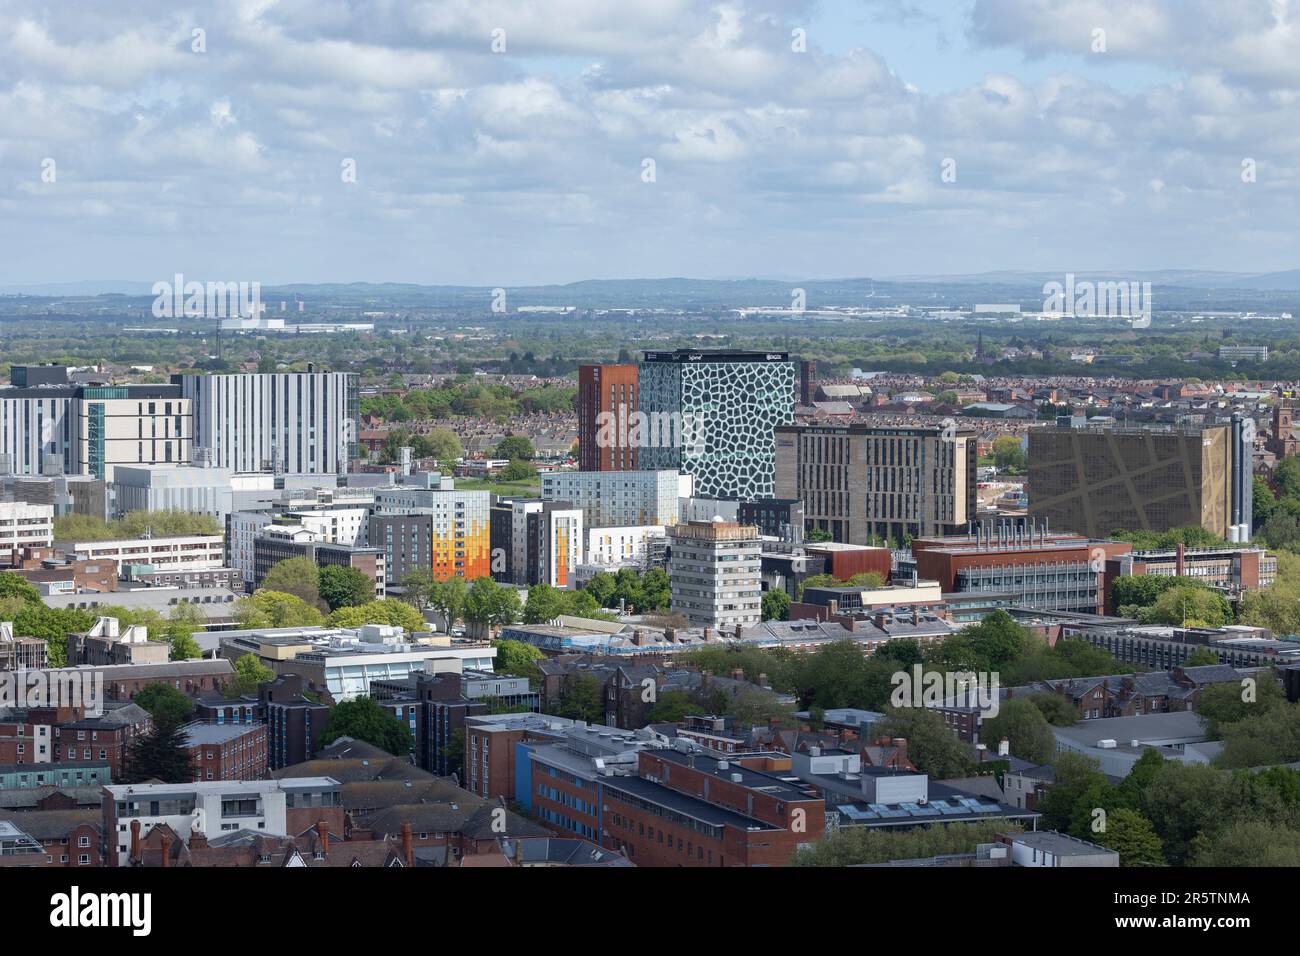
point(227, 751)
point(607, 397)
point(70, 838)
point(107, 737)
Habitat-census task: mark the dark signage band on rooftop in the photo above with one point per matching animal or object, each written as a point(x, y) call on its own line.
point(715, 355)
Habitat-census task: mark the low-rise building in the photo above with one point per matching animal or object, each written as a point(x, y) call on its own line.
point(227, 751)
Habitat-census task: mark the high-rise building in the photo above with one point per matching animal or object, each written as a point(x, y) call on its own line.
point(616, 499)
point(807, 382)
point(712, 414)
point(510, 538)
point(123, 425)
point(554, 541)
point(294, 422)
point(1098, 479)
point(715, 569)
point(863, 483)
point(460, 531)
point(49, 426)
point(607, 400)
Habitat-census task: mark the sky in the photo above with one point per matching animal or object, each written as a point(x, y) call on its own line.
point(521, 142)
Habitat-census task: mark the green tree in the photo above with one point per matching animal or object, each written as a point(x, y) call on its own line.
point(776, 606)
point(1287, 476)
point(165, 703)
point(1186, 800)
point(601, 587)
point(1253, 843)
point(1075, 776)
point(1201, 657)
point(1190, 605)
point(417, 588)
point(902, 652)
point(931, 746)
point(1262, 739)
point(161, 754)
point(1009, 454)
point(265, 608)
point(1132, 836)
point(379, 611)
point(447, 598)
point(1139, 590)
point(854, 846)
point(297, 576)
point(363, 719)
point(544, 604)
point(454, 753)
point(250, 673)
point(344, 587)
point(515, 447)
point(1232, 702)
point(443, 444)
point(490, 605)
point(581, 700)
point(184, 648)
point(518, 470)
point(997, 639)
point(16, 586)
point(517, 658)
point(1025, 728)
point(672, 707)
point(1056, 708)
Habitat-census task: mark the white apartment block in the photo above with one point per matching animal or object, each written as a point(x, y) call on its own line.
point(349, 526)
point(181, 553)
point(25, 526)
point(715, 571)
point(295, 422)
point(617, 547)
point(114, 426)
point(92, 429)
point(617, 499)
point(241, 528)
point(36, 430)
point(213, 809)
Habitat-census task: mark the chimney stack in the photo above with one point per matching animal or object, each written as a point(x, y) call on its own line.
point(408, 851)
point(323, 831)
point(135, 841)
point(166, 851)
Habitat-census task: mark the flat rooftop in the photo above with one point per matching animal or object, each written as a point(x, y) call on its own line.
point(1058, 844)
point(232, 787)
point(201, 734)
